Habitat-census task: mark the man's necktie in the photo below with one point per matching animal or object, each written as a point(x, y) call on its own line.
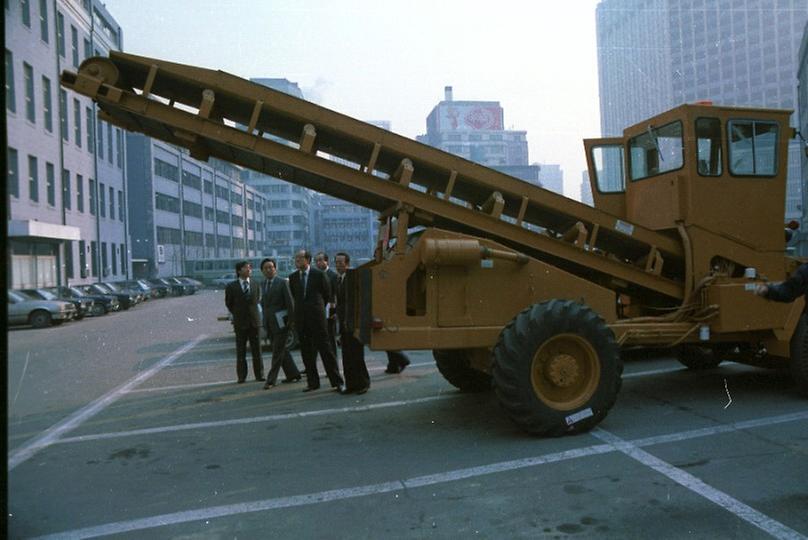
point(245, 287)
point(303, 279)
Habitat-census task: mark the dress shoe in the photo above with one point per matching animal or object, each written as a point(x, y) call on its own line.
point(362, 390)
point(260, 379)
point(345, 391)
point(292, 380)
point(341, 389)
point(311, 389)
point(391, 369)
point(267, 386)
point(240, 381)
point(403, 365)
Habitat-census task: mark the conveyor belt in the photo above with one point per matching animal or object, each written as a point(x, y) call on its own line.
point(216, 114)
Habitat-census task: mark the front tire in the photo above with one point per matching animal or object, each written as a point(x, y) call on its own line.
point(455, 366)
point(798, 363)
point(40, 319)
point(698, 358)
point(557, 368)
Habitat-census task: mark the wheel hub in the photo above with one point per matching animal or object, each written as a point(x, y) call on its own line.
point(565, 371)
point(562, 370)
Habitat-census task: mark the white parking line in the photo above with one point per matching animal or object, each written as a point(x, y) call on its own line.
point(251, 420)
point(428, 480)
point(218, 383)
point(652, 372)
point(687, 480)
point(52, 434)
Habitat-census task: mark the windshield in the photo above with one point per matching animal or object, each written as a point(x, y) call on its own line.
point(656, 151)
point(75, 291)
point(113, 287)
point(16, 297)
point(47, 295)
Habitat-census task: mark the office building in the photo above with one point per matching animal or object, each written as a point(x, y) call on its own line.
point(189, 217)
point(474, 130)
point(551, 177)
point(65, 178)
point(586, 189)
point(656, 54)
point(802, 76)
point(289, 212)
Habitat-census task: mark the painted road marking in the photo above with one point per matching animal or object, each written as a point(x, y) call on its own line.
point(687, 480)
point(52, 434)
point(434, 479)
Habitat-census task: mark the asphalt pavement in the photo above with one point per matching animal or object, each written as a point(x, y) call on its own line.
point(132, 426)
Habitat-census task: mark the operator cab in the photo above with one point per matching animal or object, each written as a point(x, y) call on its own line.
point(722, 169)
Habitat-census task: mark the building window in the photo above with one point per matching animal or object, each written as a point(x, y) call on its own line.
point(168, 235)
point(25, 7)
point(166, 203)
point(113, 258)
point(30, 107)
point(121, 216)
point(109, 143)
point(69, 259)
point(99, 131)
point(82, 259)
point(94, 257)
point(166, 170)
point(60, 33)
point(102, 199)
point(33, 179)
point(63, 113)
point(79, 193)
point(88, 113)
point(209, 187)
point(66, 196)
point(104, 271)
point(11, 101)
point(209, 215)
point(119, 148)
point(74, 42)
point(88, 50)
point(13, 173)
point(123, 259)
point(50, 183)
point(91, 186)
point(43, 20)
point(77, 122)
point(111, 202)
point(47, 109)
point(192, 209)
point(191, 180)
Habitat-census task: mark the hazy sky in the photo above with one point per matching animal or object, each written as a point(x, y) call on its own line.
point(389, 60)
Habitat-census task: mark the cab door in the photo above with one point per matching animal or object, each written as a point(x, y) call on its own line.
point(606, 161)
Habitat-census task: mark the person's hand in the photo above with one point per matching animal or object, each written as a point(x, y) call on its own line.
point(761, 289)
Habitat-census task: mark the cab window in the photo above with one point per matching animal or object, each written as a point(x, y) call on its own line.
point(610, 168)
point(708, 146)
point(656, 151)
point(752, 147)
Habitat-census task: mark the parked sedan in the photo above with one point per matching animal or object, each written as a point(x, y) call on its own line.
point(189, 286)
point(126, 300)
point(223, 280)
point(83, 305)
point(102, 303)
point(38, 313)
point(174, 289)
point(151, 291)
point(120, 288)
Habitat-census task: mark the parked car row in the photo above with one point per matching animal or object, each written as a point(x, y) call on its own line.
point(46, 306)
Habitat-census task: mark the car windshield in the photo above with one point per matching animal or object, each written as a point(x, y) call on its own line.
point(101, 288)
point(113, 287)
point(76, 291)
point(46, 294)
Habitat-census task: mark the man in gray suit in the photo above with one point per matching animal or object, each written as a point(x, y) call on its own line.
point(279, 308)
point(241, 298)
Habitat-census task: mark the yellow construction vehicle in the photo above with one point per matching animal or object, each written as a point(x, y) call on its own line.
point(511, 285)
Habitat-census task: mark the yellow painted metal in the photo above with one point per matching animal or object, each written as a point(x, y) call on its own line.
point(565, 372)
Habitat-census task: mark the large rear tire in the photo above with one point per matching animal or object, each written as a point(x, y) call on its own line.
point(698, 358)
point(557, 368)
point(455, 366)
point(799, 355)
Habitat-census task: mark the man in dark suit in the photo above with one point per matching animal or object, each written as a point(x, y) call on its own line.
point(279, 309)
point(311, 292)
point(241, 298)
point(321, 262)
point(357, 379)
